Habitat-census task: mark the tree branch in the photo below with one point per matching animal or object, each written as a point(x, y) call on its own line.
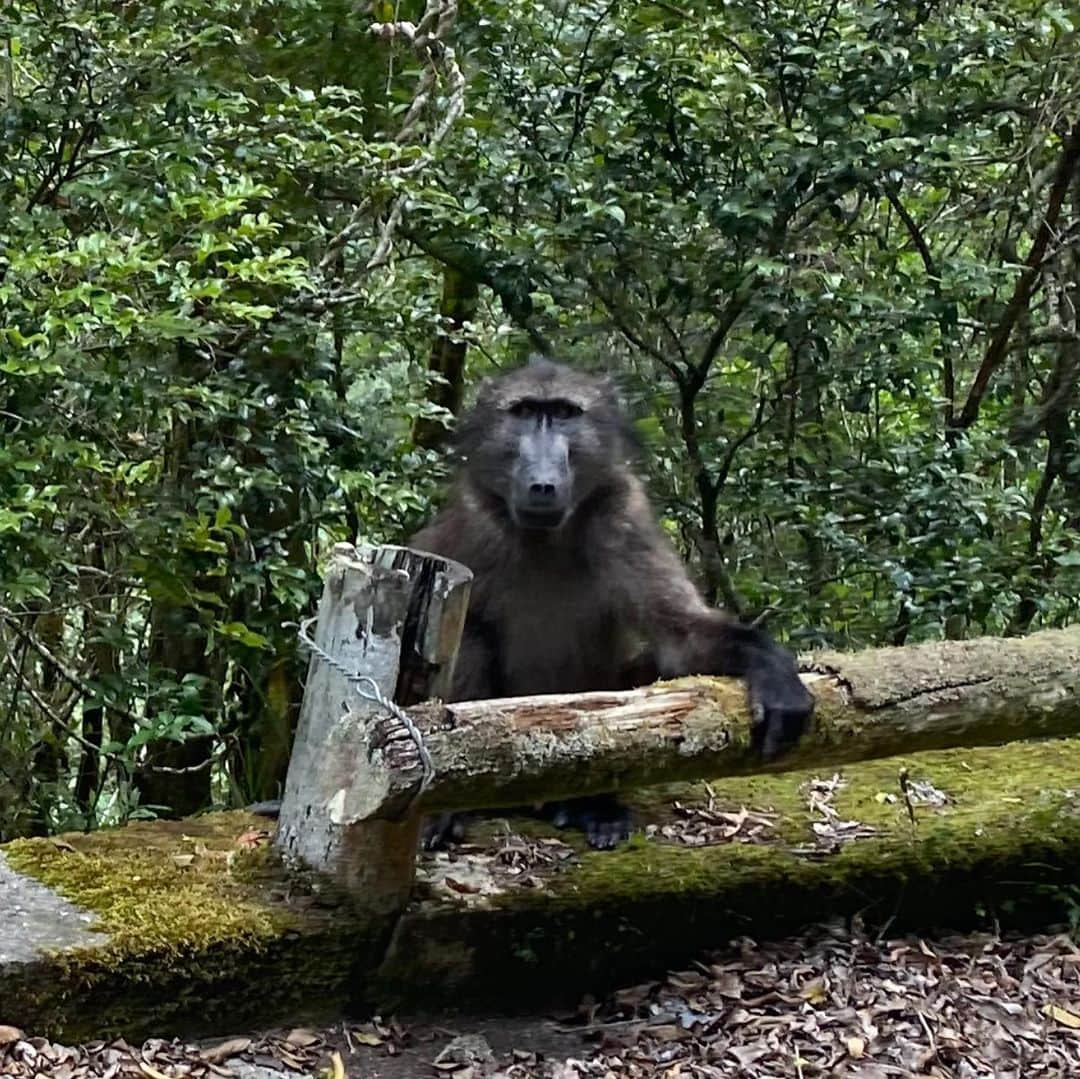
point(69, 676)
point(999, 344)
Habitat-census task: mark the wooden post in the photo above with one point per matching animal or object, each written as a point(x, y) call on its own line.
point(394, 615)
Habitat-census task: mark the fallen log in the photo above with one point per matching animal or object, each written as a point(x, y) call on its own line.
point(871, 704)
point(199, 934)
point(985, 837)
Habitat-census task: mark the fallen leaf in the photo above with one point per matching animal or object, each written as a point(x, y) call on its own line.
point(295, 1063)
point(1063, 1016)
point(253, 837)
point(366, 1039)
point(10, 1034)
point(230, 1048)
point(302, 1038)
point(337, 1068)
point(667, 1032)
point(462, 886)
point(749, 1054)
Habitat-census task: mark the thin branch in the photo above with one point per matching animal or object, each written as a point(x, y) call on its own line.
point(581, 109)
point(727, 319)
point(429, 40)
point(50, 713)
point(1057, 395)
point(633, 336)
point(58, 665)
point(998, 348)
point(474, 264)
point(917, 237)
point(736, 444)
point(948, 373)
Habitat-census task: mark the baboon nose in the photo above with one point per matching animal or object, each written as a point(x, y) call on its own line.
point(540, 505)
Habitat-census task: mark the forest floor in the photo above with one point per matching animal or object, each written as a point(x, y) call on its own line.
point(834, 1001)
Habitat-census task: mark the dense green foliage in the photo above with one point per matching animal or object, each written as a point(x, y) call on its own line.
point(831, 249)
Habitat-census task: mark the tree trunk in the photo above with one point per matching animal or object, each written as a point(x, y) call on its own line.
point(104, 664)
point(447, 362)
point(176, 775)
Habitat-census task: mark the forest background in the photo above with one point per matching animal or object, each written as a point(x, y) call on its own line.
point(254, 255)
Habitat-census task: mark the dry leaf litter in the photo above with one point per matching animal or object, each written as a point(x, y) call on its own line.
point(829, 1003)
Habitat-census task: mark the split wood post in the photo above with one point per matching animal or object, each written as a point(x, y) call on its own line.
point(395, 616)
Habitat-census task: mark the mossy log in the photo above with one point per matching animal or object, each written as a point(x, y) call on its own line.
point(205, 935)
point(870, 704)
point(359, 777)
point(989, 839)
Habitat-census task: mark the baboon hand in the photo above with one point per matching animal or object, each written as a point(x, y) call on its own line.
point(780, 703)
point(442, 830)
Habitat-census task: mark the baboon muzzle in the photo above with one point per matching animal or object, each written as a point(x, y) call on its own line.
point(543, 480)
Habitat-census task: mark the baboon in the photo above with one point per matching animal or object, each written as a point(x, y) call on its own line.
point(575, 586)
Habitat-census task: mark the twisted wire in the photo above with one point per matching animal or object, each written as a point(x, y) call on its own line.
point(367, 688)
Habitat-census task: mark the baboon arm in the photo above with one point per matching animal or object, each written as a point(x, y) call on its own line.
point(686, 636)
point(652, 592)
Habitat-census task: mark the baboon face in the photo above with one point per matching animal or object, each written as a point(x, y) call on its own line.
point(542, 441)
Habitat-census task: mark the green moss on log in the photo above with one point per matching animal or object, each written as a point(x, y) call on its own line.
point(160, 888)
point(1005, 847)
point(202, 939)
point(196, 928)
point(1000, 801)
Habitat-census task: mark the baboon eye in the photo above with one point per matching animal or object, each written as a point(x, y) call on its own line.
point(565, 410)
point(556, 410)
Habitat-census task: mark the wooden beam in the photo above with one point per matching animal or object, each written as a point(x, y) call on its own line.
point(358, 783)
point(871, 704)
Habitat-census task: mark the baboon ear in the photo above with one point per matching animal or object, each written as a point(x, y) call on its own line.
point(468, 432)
point(614, 392)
